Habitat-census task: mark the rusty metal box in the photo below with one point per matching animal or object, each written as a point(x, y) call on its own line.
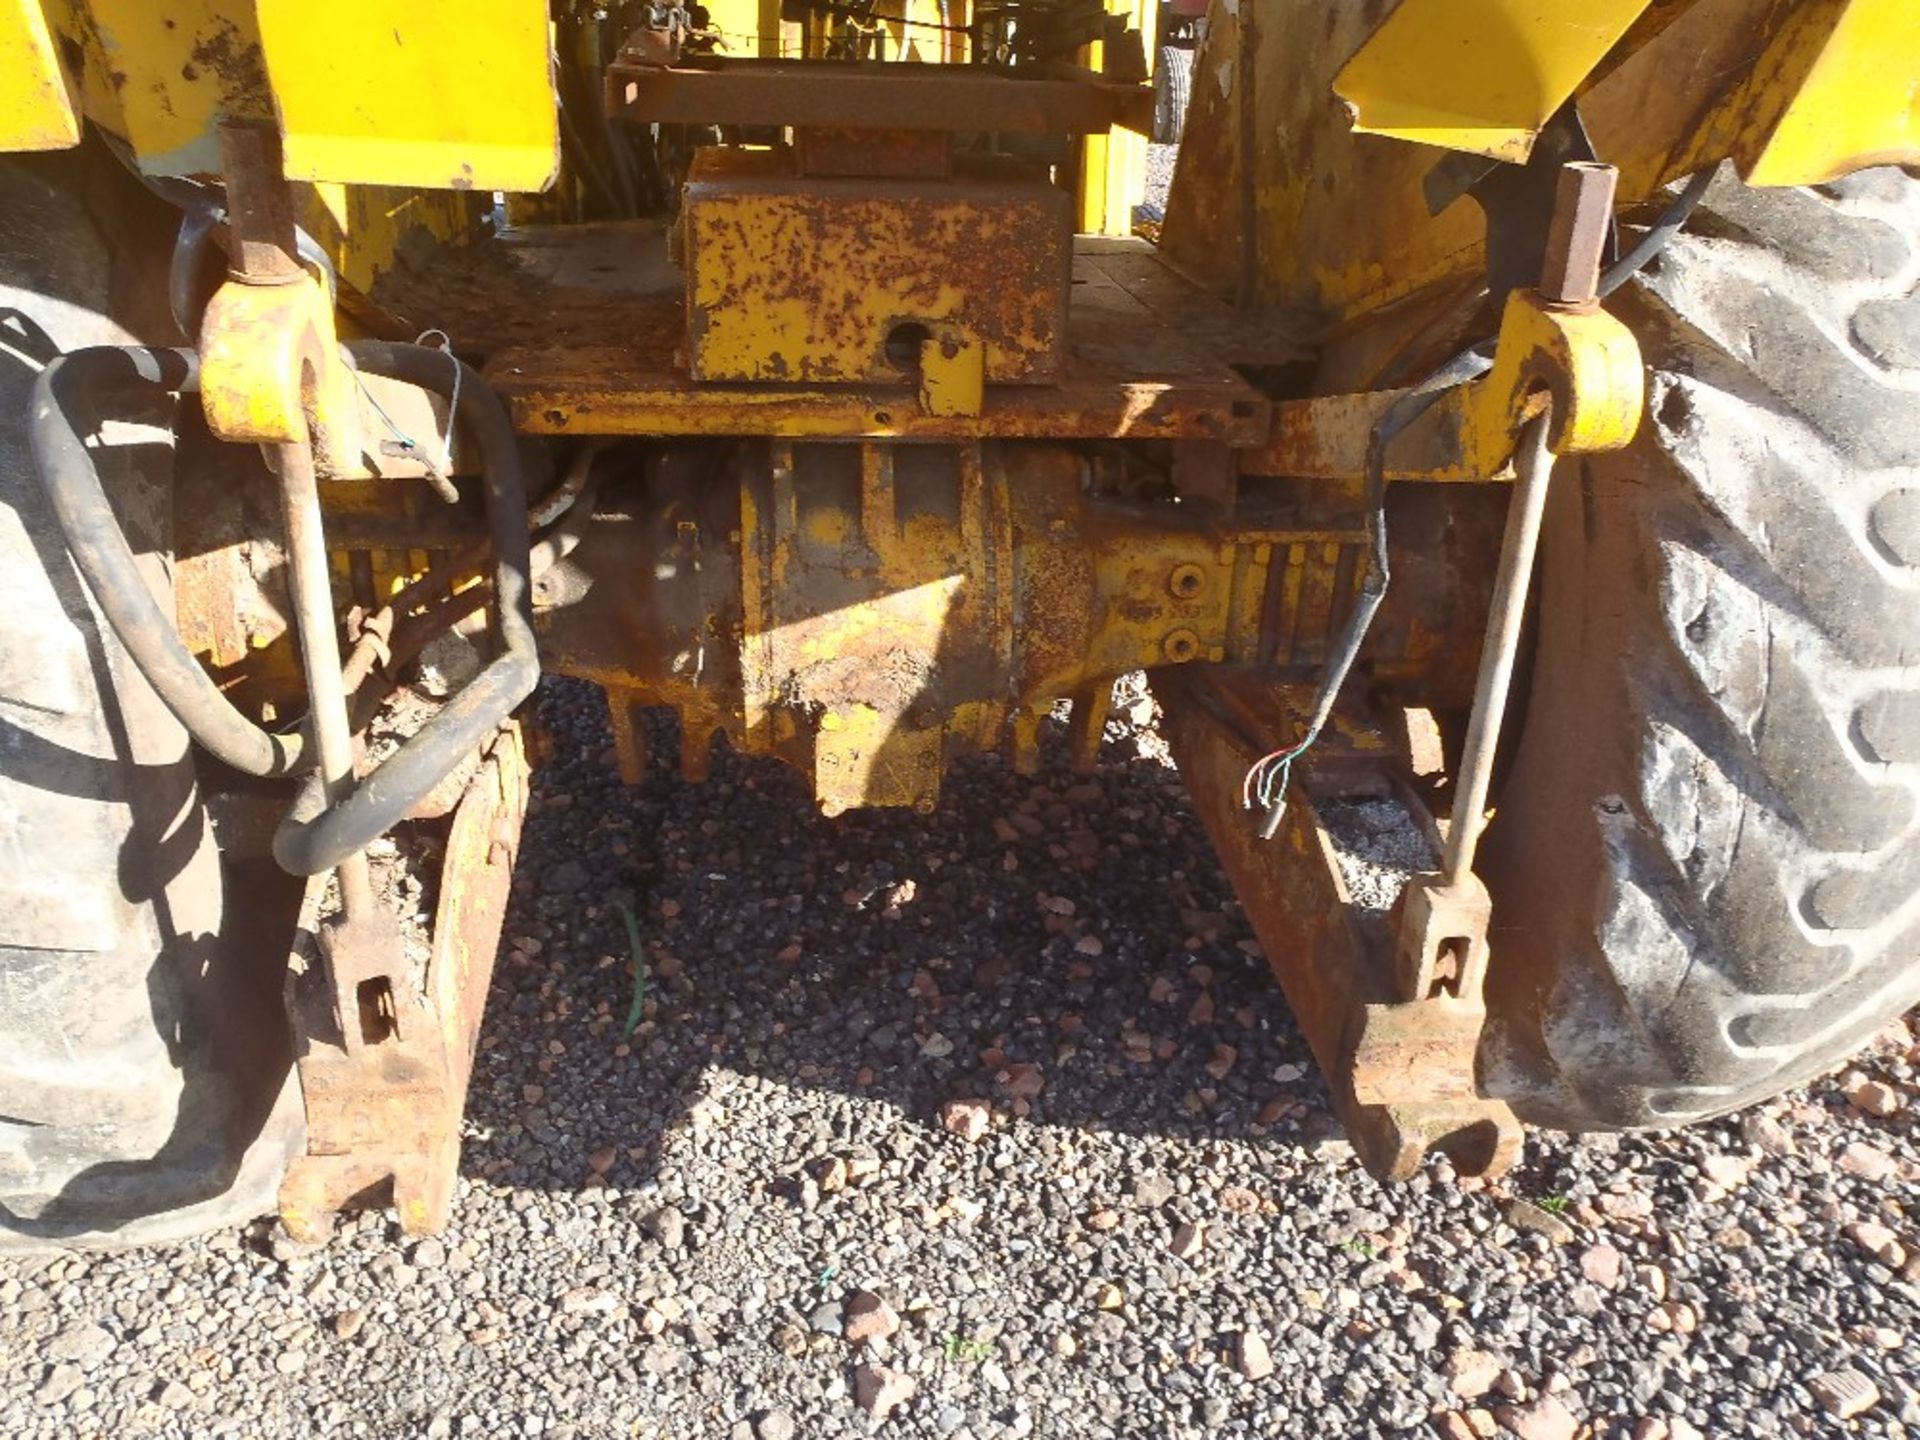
point(835, 280)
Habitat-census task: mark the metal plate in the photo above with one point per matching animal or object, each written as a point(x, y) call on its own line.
point(435, 93)
point(796, 279)
point(579, 325)
point(1477, 75)
point(36, 97)
point(387, 1110)
point(878, 96)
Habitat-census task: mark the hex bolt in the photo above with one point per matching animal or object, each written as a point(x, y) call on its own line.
point(1186, 581)
point(1577, 234)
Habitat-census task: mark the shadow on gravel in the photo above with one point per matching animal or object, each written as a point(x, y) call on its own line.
point(1062, 947)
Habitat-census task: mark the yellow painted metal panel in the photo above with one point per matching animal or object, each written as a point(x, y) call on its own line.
point(36, 101)
point(736, 25)
point(1113, 176)
point(164, 76)
point(1859, 104)
point(1113, 182)
point(1478, 75)
point(442, 94)
point(1711, 81)
point(365, 229)
point(805, 280)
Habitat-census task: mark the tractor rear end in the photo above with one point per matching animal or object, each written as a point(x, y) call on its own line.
point(795, 392)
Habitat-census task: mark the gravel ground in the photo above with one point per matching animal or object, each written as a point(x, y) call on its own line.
point(1152, 209)
point(1160, 159)
point(687, 1231)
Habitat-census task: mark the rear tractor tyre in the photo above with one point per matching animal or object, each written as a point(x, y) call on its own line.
point(1172, 88)
point(1705, 864)
point(143, 1061)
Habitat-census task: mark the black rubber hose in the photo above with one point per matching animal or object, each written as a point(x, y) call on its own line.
point(1470, 364)
point(183, 271)
point(200, 220)
point(1679, 210)
point(314, 838)
point(100, 550)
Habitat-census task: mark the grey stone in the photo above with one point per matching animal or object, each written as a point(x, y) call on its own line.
point(59, 1382)
point(85, 1345)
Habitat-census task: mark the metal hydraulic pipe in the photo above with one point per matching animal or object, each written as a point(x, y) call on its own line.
point(1533, 467)
point(1570, 276)
point(318, 835)
point(312, 590)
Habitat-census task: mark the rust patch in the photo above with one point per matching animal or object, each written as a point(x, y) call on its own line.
point(234, 60)
point(1401, 1072)
point(824, 150)
point(385, 1055)
point(795, 278)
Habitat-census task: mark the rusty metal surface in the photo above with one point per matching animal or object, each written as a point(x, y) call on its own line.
point(866, 613)
point(1205, 470)
point(1577, 236)
point(953, 372)
point(1426, 635)
point(1401, 1073)
point(579, 328)
point(796, 279)
point(715, 91)
point(1440, 938)
point(259, 203)
point(859, 150)
point(591, 392)
point(1573, 359)
point(385, 1087)
point(1325, 437)
point(762, 592)
point(382, 525)
point(857, 611)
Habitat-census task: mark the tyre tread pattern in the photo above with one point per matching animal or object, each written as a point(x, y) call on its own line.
point(1706, 868)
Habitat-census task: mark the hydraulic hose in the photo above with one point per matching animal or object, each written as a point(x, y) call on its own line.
point(1672, 220)
point(315, 837)
point(100, 550)
point(1266, 783)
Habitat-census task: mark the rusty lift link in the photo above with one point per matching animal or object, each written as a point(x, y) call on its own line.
point(1442, 941)
point(260, 223)
point(358, 946)
point(1394, 1009)
point(384, 1044)
point(1441, 948)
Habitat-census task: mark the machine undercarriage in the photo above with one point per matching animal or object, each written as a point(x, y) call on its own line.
point(863, 457)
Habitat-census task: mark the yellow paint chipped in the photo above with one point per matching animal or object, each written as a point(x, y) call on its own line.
point(1859, 104)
